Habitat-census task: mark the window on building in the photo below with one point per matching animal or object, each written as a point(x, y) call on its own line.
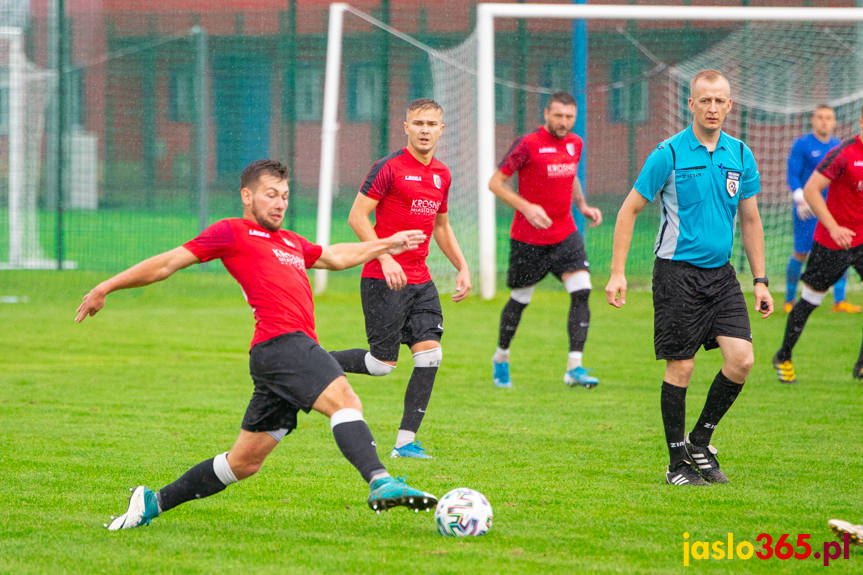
point(421, 81)
point(77, 98)
point(365, 92)
point(4, 102)
point(182, 94)
point(556, 75)
point(308, 92)
point(503, 94)
point(629, 94)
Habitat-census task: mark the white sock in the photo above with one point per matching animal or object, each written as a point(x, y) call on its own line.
point(500, 355)
point(405, 437)
point(574, 360)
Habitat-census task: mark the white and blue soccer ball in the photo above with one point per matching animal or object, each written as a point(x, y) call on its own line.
point(463, 512)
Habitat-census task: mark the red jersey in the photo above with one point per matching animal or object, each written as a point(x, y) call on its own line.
point(843, 166)
point(410, 195)
point(546, 169)
point(271, 269)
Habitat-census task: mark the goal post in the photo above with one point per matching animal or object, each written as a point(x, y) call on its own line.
point(629, 66)
point(487, 14)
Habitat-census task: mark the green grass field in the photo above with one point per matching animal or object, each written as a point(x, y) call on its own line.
point(158, 381)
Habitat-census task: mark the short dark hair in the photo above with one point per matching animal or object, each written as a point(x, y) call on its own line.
point(424, 104)
point(564, 98)
point(253, 172)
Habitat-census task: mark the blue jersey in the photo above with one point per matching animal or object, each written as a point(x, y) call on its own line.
point(806, 152)
point(698, 193)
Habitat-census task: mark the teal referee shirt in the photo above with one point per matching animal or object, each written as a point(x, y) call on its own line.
point(698, 193)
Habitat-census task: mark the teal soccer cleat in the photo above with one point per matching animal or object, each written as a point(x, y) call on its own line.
point(501, 374)
point(580, 376)
point(388, 492)
point(414, 450)
point(143, 508)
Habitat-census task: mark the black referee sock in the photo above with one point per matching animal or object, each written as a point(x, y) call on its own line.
point(198, 482)
point(859, 359)
point(352, 360)
point(357, 444)
point(417, 397)
point(579, 319)
point(673, 405)
point(509, 318)
point(720, 397)
point(794, 327)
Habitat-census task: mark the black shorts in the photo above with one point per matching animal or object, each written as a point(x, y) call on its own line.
point(290, 372)
point(409, 315)
point(825, 266)
point(692, 306)
point(529, 263)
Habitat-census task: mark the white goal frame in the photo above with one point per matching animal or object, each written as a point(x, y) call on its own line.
point(487, 13)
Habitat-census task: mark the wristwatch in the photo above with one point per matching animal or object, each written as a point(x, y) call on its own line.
point(761, 281)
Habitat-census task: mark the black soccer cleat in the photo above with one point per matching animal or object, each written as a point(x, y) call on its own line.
point(704, 459)
point(683, 474)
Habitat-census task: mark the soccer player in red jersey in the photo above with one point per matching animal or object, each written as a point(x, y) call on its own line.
point(289, 369)
point(405, 190)
point(543, 237)
point(838, 241)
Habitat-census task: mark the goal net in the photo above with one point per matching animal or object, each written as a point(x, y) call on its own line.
point(629, 67)
point(24, 95)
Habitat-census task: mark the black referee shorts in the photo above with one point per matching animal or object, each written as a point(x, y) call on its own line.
point(290, 372)
point(825, 266)
point(529, 263)
point(409, 315)
point(692, 306)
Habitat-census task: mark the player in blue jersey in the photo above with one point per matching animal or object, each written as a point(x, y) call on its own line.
point(703, 178)
point(806, 152)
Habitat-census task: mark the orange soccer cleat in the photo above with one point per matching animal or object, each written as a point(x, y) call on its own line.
point(846, 307)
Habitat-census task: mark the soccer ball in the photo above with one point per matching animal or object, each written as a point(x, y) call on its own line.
point(463, 512)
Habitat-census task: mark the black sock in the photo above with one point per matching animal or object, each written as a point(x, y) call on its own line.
point(417, 397)
point(720, 397)
point(509, 318)
point(579, 319)
point(357, 444)
point(794, 327)
point(352, 360)
point(673, 404)
point(198, 482)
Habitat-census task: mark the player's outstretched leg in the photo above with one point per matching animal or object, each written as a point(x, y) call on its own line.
point(357, 444)
point(361, 361)
point(143, 508)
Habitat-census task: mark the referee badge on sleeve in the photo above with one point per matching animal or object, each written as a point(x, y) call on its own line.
point(732, 183)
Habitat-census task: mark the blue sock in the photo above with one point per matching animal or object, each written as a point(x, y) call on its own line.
point(839, 288)
point(792, 276)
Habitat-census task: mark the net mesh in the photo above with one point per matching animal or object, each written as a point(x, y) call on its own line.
point(153, 107)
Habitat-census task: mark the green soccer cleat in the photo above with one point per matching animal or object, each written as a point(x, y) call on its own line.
point(143, 508)
point(388, 492)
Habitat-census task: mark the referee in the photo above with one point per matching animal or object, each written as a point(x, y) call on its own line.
point(702, 177)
